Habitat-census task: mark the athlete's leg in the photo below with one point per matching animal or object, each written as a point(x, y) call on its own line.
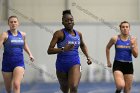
point(74, 78)
point(7, 76)
point(119, 80)
point(128, 82)
point(63, 81)
point(17, 77)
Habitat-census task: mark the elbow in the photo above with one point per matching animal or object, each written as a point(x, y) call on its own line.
point(51, 51)
point(136, 56)
point(48, 51)
point(107, 49)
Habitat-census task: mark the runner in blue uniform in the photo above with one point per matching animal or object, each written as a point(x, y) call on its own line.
point(68, 41)
point(125, 47)
point(13, 60)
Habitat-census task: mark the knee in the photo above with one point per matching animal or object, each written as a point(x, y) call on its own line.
point(16, 85)
point(64, 89)
point(73, 88)
point(120, 86)
point(8, 90)
point(127, 89)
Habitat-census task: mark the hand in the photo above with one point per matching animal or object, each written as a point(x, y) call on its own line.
point(31, 58)
point(133, 41)
point(68, 47)
point(89, 61)
point(109, 65)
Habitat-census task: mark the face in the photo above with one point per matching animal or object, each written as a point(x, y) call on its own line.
point(68, 21)
point(125, 29)
point(13, 23)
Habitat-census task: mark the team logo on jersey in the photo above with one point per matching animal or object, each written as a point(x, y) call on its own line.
point(122, 46)
point(74, 42)
point(17, 41)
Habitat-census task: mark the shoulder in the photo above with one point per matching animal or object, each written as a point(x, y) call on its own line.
point(4, 34)
point(114, 38)
point(58, 33)
point(133, 37)
point(80, 34)
point(23, 33)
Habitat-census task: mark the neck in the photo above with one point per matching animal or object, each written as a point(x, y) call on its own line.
point(69, 30)
point(13, 31)
point(125, 37)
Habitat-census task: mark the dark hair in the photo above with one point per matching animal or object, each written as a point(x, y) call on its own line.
point(123, 23)
point(12, 17)
point(66, 12)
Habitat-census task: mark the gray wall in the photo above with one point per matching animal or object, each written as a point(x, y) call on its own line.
point(96, 36)
point(51, 10)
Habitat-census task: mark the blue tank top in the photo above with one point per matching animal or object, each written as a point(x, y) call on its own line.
point(123, 50)
point(69, 39)
point(13, 46)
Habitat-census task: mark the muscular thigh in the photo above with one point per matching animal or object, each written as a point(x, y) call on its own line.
point(62, 78)
point(74, 74)
point(18, 73)
point(128, 79)
point(118, 77)
point(7, 76)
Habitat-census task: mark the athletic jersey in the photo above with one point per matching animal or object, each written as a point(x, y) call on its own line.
point(123, 50)
point(13, 46)
point(13, 52)
point(72, 55)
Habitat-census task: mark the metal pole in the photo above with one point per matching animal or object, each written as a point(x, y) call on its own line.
point(8, 4)
point(66, 4)
point(1, 8)
point(139, 10)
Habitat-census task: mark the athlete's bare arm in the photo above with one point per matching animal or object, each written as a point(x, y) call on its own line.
point(84, 49)
point(26, 47)
point(134, 46)
point(58, 35)
point(3, 37)
point(109, 45)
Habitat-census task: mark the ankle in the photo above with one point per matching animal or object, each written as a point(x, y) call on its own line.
point(118, 91)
